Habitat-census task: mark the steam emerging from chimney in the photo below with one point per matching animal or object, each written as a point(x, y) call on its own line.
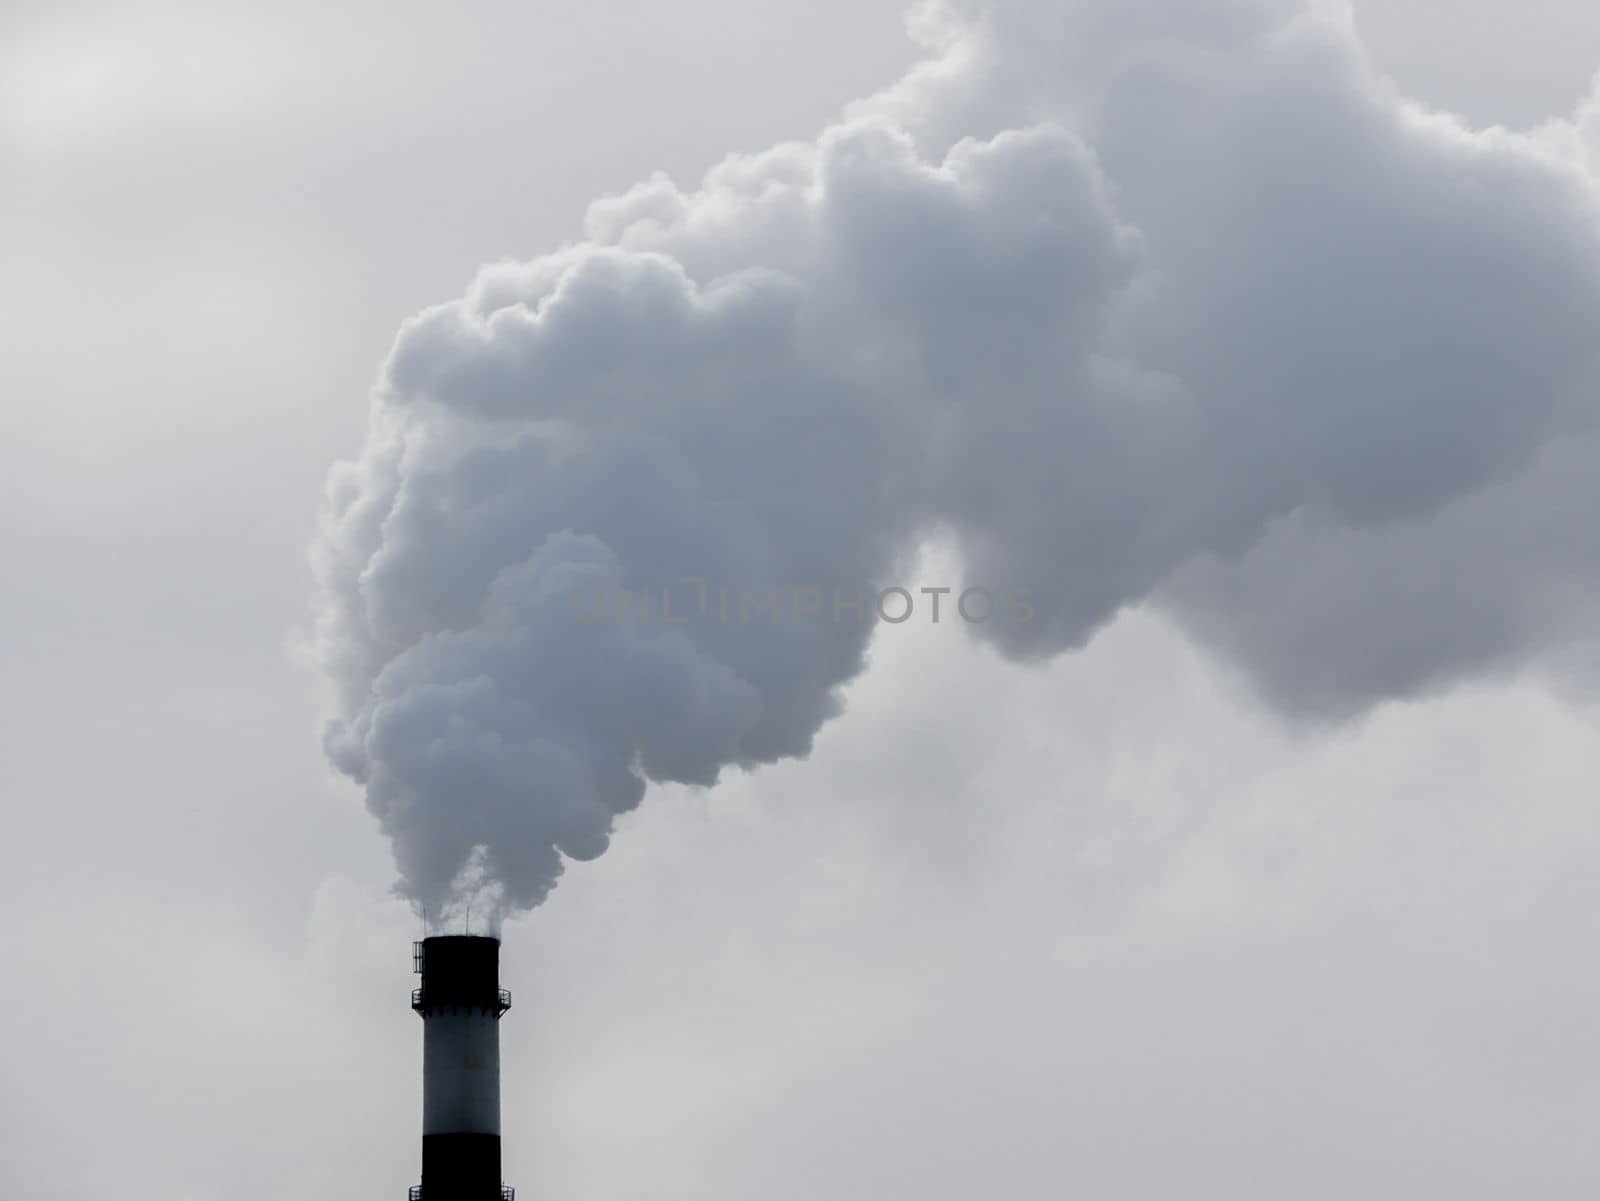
point(1171, 303)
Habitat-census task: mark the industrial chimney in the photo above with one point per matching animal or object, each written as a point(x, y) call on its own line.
point(460, 1002)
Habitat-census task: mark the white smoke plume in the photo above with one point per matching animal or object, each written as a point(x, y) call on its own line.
point(1165, 302)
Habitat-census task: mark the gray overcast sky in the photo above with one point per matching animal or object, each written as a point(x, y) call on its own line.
point(1102, 925)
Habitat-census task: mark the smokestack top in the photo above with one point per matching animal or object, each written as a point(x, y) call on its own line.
point(459, 971)
point(436, 939)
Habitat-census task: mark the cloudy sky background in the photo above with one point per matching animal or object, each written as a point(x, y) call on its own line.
point(1104, 925)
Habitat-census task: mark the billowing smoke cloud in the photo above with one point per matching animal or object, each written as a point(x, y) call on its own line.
point(1165, 302)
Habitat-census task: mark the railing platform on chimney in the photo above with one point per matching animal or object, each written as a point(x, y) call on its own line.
point(507, 1193)
point(503, 1001)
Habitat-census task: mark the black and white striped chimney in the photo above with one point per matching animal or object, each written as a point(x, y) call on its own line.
point(461, 1002)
